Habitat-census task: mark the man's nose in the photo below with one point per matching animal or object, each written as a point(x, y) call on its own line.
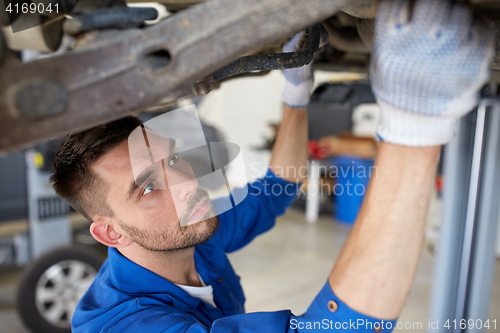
point(182, 184)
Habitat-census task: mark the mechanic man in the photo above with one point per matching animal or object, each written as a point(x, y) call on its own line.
point(428, 65)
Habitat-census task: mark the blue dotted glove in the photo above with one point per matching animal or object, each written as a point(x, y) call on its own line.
point(426, 70)
point(299, 81)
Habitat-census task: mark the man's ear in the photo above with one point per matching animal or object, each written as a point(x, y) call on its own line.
point(104, 232)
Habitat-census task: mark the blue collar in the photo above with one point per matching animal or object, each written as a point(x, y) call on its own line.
point(135, 280)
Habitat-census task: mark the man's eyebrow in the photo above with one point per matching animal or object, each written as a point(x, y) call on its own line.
point(141, 179)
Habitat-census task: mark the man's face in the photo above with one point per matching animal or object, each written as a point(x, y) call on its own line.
point(151, 201)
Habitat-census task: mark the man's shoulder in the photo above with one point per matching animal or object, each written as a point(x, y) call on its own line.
point(104, 306)
point(119, 315)
point(100, 303)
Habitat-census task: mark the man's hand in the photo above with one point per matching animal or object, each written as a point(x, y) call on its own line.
point(428, 65)
point(289, 157)
point(299, 81)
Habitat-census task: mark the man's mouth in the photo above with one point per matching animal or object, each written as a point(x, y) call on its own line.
point(199, 211)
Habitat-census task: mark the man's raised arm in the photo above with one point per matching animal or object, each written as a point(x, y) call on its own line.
point(289, 156)
point(376, 267)
point(428, 65)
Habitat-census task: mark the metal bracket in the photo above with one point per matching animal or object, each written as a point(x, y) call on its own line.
point(274, 61)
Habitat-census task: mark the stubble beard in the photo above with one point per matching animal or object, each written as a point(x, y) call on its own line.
point(182, 237)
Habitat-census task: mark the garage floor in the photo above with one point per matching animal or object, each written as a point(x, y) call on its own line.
point(284, 269)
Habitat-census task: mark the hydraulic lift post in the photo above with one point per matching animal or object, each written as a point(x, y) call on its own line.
point(465, 260)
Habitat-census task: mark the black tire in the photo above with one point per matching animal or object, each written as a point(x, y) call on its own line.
point(49, 275)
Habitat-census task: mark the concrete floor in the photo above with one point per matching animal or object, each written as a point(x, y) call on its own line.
point(10, 322)
point(284, 269)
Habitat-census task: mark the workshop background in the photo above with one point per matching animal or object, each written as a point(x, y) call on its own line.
point(286, 267)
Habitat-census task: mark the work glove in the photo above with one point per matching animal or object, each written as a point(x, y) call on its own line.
point(428, 65)
point(299, 81)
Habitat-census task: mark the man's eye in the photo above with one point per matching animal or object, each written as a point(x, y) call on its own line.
point(149, 188)
point(173, 159)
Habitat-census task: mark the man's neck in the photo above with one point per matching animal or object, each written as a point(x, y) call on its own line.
point(176, 266)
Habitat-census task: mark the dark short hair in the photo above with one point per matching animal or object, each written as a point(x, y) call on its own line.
point(73, 178)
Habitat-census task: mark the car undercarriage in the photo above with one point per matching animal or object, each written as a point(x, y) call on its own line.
point(120, 66)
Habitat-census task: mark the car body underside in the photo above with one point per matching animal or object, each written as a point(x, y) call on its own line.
point(119, 67)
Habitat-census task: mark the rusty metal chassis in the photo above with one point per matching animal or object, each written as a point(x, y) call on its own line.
point(111, 77)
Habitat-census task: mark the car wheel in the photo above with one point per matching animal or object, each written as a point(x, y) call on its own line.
point(52, 286)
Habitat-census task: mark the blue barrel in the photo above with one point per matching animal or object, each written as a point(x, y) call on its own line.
point(351, 175)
